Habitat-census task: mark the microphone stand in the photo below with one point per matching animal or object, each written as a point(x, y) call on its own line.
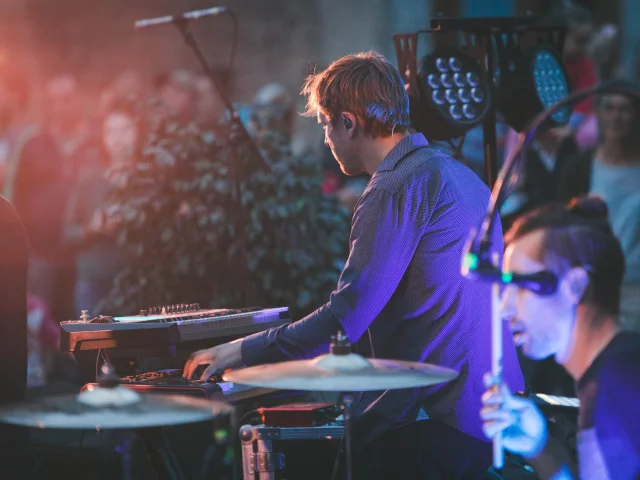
point(238, 132)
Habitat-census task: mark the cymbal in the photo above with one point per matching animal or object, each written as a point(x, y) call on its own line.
point(111, 408)
point(342, 373)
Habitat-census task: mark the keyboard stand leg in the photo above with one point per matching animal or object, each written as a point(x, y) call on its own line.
point(162, 458)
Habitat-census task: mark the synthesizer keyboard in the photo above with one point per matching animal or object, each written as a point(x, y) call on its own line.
point(167, 326)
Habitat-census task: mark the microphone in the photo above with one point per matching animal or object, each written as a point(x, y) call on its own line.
point(194, 15)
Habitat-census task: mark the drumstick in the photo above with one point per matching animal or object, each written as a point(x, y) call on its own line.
point(496, 356)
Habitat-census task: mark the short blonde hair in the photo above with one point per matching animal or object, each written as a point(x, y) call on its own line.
point(365, 84)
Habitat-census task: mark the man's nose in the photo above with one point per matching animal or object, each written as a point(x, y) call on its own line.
point(508, 306)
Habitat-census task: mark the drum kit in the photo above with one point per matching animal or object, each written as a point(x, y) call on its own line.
point(111, 406)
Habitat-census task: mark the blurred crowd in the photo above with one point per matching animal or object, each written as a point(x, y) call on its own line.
point(597, 153)
point(53, 170)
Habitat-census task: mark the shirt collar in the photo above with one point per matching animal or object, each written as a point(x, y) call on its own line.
point(405, 146)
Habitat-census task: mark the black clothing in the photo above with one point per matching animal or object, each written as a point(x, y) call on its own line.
point(609, 392)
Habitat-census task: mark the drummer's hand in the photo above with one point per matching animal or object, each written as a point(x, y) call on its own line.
point(523, 427)
point(219, 358)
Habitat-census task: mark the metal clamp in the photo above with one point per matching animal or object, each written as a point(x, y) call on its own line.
point(266, 462)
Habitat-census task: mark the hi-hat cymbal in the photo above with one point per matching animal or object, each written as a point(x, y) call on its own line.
point(342, 373)
point(111, 408)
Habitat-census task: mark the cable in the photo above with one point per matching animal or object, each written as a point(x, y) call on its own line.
point(248, 414)
point(98, 364)
point(82, 437)
point(336, 463)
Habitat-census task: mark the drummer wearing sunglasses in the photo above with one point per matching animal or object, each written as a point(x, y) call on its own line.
point(576, 322)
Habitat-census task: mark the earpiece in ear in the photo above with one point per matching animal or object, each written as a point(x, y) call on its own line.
point(347, 123)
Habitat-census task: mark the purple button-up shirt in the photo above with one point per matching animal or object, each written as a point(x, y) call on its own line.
point(402, 294)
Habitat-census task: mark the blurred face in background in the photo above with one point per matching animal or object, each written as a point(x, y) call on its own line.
point(64, 102)
point(616, 117)
point(577, 40)
point(120, 136)
point(176, 99)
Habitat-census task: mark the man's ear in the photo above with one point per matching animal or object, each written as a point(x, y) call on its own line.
point(349, 122)
point(574, 284)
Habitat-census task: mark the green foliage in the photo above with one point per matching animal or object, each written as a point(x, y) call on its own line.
point(179, 219)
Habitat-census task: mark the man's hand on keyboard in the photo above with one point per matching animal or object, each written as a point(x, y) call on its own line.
point(219, 358)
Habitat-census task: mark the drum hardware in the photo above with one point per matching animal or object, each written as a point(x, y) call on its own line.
point(111, 406)
point(345, 372)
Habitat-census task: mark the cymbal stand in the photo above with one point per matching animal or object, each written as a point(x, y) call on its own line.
point(347, 404)
point(340, 346)
point(154, 440)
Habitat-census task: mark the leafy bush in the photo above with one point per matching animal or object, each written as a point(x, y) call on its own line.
point(179, 215)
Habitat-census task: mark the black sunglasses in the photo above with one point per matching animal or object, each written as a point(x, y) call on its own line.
point(542, 283)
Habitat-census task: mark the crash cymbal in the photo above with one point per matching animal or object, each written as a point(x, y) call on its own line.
point(111, 408)
point(342, 373)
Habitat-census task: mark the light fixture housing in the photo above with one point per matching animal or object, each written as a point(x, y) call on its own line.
point(454, 94)
point(530, 84)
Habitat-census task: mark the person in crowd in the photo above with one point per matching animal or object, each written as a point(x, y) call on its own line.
point(89, 224)
point(472, 152)
point(209, 106)
point(13, 326)
point(15, 129)
point(126, 85)
point(400, 295)
point(605, 50)
point(13, 304)
point(43, 340)
point(581, 69)
point(580, 66)
point(612, 171)
point(178, 94)
point(544, 159)
point(273, 107)
point(578, 324)
point(44, 177)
